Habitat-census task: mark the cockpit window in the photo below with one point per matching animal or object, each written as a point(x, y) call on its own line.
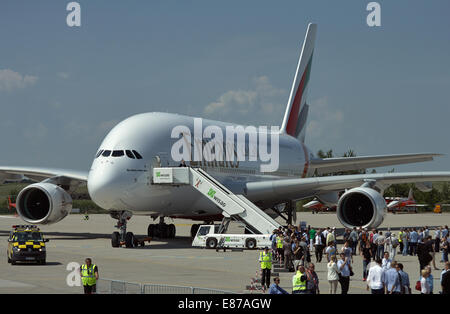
point(129, 154)
point(117, 153)
point(138, 156)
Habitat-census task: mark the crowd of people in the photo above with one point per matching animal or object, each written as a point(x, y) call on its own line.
point(294, 248)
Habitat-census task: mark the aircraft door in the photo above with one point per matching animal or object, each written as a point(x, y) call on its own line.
point(157, 161)
point(164, 159)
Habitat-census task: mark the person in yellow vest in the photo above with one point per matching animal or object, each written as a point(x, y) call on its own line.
point(265, 258)
point(89, 276)
point(299, 281)
point(280, 251)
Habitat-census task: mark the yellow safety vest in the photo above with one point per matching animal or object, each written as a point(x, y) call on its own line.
point(297, 283)
point(266, 260)
point(279, 243)
point(88, 275)
point(400, 236)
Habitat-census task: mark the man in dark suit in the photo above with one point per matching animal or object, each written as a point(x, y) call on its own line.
point(319, 245)
point(445, 282)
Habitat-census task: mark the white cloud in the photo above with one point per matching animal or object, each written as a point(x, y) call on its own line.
point(258, 104)
point(10, 80)
point(232, 101)
point(324, 120)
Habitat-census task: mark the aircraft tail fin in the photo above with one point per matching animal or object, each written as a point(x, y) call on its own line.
point(295, 117)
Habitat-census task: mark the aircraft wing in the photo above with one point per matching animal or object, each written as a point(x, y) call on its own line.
point(57, 176)
point(306, 187)
point(329, 165)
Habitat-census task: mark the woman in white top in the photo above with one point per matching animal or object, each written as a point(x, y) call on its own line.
point(388, 246)
point(333, 274)
point(424, 286)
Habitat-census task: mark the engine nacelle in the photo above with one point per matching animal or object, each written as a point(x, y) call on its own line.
point(361, 207)
point(43, 203)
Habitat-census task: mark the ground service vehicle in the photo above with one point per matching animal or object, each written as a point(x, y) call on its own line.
point(26, 244)
point(208, 237)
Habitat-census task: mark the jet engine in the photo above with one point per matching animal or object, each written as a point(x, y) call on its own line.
point(361, 207)
point(43, 203)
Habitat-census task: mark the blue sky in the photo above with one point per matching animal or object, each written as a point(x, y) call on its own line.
point(375, 90)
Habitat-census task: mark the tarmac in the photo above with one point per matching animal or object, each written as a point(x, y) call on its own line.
point(173, 262)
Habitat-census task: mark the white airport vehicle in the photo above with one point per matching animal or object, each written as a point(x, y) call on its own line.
point(121, 177)
point(208, 236)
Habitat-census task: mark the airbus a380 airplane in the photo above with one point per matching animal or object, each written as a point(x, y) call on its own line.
point(120, 178)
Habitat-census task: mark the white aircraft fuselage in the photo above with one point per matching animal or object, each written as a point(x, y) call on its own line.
point(123, 183)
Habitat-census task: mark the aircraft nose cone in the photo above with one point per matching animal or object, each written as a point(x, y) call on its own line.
point(104, 186)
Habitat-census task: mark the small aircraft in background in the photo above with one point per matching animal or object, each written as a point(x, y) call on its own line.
point(398, 204)
point(317, 207)
point(12, 204)
point(394, 205)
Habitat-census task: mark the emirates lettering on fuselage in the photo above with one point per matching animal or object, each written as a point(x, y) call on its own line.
point(209, 147)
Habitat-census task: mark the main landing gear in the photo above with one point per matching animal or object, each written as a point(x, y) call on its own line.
point(122, 237)
point(161, 230)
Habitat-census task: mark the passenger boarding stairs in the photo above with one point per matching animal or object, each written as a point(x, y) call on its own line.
point(233, 206)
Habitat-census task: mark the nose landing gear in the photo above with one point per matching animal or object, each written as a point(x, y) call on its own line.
point(122, 237)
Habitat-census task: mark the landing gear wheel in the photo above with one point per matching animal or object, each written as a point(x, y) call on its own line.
point(115, 239)
point(9, 260)
point(166, 232)
point(211, 243)
point(194, 230)
point(151, 231)
point(172, 231)
point(129, 240)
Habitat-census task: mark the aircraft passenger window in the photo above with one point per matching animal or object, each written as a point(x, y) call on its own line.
point(129, 154)
point(99, 153)
point(138, 156)
point(106, 153)
point(117, 153)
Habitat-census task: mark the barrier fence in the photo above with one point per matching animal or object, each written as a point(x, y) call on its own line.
point(109, 286)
